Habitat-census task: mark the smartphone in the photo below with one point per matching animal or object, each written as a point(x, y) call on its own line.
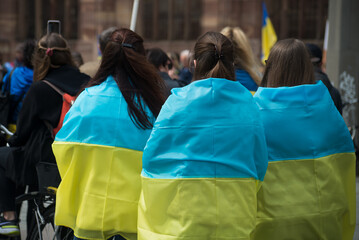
point(53, 26)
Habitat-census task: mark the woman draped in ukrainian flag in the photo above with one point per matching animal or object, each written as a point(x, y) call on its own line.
point(309, 189)
point(206, 156)
point(99, 148)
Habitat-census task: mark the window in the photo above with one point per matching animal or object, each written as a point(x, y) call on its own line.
point(304, 19)
point(171, 19)
point(33, 16)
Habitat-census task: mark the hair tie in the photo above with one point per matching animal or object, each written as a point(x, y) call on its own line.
point(217, 55)
point(49, 52)
point(127, 45)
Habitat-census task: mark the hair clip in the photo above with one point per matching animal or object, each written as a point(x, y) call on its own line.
point(127, 45)
point(49, 52)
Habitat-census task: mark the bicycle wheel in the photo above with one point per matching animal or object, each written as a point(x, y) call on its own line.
point(43, 230)
point(64, 233)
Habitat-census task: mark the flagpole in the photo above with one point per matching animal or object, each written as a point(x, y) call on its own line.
point(134, 14)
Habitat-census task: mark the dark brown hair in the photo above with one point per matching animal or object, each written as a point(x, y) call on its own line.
point(124, 59)
point(288, 64)
point(213, 53)
point(52, 52)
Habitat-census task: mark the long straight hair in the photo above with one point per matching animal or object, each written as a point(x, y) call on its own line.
point(288, 64)
point(124, 59)
point(52, 51)
point(243, 54)
point(213, 53)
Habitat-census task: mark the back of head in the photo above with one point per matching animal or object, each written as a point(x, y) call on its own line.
point(105, 37)
point(243, 54)
point(77, 58)
point(52, 52)
point(185, 58)
point(28, 52)
point(288, 64)
point(157, 57)
point(124, 59)
point(315, 53)
point(213, 53)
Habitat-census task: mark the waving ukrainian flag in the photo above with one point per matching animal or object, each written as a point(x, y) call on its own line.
point(269, 38)
point(98, 151)
point(203, 164)
point(309, 189)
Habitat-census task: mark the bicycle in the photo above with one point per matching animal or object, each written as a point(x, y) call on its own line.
point(41, 203)
point(42, 226)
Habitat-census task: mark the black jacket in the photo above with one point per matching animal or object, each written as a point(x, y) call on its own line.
point(32, 140)
point(334, 93)
point(169, 82)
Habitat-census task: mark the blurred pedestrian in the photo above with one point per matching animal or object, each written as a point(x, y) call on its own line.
point(39, 114)
point(76, 56)
point(174, 71)
point(90, 68)
point(246, 67)
point(163, 64)
point(18, 81)
point(185, 74)
point(316, 59)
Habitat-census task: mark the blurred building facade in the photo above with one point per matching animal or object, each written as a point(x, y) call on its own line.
point(170, 24)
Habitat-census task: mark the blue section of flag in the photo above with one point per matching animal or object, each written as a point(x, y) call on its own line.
point(265, 15)
point(102, 105)
point(308, 122)
point(210, 128)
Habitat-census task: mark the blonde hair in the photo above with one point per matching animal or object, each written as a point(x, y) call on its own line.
point(243, 54)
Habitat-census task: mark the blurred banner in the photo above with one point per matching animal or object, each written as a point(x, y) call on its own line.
point(269, 38)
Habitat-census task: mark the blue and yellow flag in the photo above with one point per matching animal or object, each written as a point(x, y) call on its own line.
point(98, 151)
point(203, 164)
point(269, 38)
point(309, 189)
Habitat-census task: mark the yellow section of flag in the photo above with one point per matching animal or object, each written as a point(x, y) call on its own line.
point(99, 192)
point(308, 199)
point(197, 208)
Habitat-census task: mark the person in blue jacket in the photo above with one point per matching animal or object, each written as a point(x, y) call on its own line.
point(206, 155)
point(246, 68)
point(18, 81)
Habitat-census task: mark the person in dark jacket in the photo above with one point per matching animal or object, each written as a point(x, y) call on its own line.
point(316, 58)
point(185, 74)
point(19, 80)
point(41, 110)
point(163, 64)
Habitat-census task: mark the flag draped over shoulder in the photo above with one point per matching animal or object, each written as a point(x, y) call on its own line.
point(203, 164)
point(309, 188)
point(98, 151)
point(269, 38)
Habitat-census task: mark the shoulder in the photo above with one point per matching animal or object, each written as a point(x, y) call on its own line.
point(41, 91)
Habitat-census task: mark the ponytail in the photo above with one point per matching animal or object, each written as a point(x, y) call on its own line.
point(214, 57)
point(140, 84)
